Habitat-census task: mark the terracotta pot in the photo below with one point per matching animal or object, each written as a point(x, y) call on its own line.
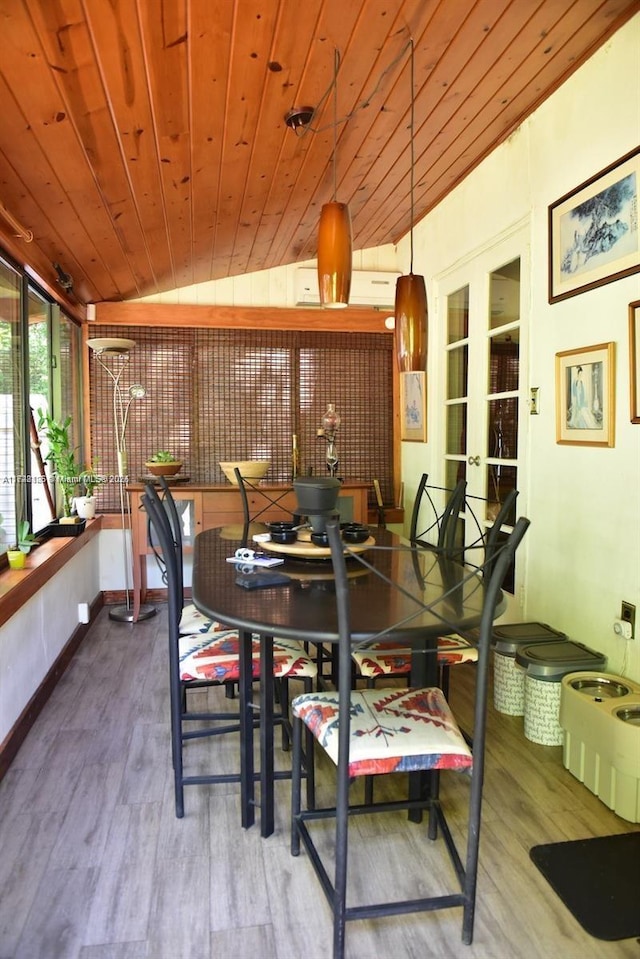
point(163, 469)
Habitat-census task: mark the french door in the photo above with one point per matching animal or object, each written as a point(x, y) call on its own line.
point(481, 314)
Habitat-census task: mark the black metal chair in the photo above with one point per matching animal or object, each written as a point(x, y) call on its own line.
point(382, 660)
point(191, 619)
point(441, 524)
point(266, 501)
point(375, 731)
point(210, 659)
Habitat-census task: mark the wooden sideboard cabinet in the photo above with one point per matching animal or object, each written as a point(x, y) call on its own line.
point(209, 507)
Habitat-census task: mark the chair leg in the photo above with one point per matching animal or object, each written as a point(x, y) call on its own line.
point(444, 679)
point(296, 785)
point(282, 697)
point(176, 692)
point(339, 903)
point(309, 757)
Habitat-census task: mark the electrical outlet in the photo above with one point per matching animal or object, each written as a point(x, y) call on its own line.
point(628, 615)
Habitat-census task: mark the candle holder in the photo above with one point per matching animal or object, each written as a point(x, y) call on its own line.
point(328, 432)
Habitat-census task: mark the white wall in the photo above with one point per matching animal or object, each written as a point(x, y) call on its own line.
point(33, 638)
point(583, 548)
point(268, 287)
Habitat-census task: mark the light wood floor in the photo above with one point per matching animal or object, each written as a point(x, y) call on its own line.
point(94, 864)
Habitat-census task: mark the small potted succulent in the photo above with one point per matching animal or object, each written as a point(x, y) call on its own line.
point(163, 463)
point(17, 553)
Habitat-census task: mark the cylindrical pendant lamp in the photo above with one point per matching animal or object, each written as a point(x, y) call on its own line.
point(411, 292)
point(411, 323)
point(334, 255)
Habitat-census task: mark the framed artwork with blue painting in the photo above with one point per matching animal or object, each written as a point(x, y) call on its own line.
point(585, 396)
point(413, 407)
point(593, 231)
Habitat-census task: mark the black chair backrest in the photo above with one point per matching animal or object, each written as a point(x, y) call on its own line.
point(173, 527)
point(266, 502)
point(498, 565)
point(492, 537)
point(445, 523)
point(161, 526)
point(172, 511)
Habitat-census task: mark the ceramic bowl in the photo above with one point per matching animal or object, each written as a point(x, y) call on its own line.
point(320, 539)
point(282, 532)
point(355, 533)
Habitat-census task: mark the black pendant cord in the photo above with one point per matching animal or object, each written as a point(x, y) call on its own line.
point(336, 63)
point(411, 123)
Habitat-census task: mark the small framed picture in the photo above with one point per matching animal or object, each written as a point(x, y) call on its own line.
point(634, 359)
point(585, 396)
point(593, 231)
point(413, 407)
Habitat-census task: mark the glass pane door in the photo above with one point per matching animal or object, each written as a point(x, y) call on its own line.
point(483, 386)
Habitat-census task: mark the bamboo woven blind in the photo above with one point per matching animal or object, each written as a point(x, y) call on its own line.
point(217, 395)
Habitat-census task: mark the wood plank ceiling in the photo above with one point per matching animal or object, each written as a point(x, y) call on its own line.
point(143, 142)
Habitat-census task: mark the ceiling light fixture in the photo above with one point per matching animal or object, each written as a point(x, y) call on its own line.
point(299, 119)
point(334, 232)
point(411, 315)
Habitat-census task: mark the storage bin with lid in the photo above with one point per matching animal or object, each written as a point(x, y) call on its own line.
point(508, 676)
point(545, 665)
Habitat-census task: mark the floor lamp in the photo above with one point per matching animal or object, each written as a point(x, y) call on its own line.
point(122, 399)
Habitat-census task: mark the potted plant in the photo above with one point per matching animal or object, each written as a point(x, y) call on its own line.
point(90, 480)
point(62, 455)
point(17, 553)
point(163, 463)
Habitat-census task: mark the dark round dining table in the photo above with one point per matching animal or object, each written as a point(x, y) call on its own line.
point(421, 597)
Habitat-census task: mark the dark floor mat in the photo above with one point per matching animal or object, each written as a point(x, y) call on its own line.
point(598, 880)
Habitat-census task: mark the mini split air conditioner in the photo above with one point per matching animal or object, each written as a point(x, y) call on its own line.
point(368, 288)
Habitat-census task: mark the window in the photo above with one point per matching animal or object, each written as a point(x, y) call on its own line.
point(39, 368)
point(243, 394)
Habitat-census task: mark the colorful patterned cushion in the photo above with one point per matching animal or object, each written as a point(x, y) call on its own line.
point(392, 730)
point(216, 657)
point(193, 621)
point(392, 659)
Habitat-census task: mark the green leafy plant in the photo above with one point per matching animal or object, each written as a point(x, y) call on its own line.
point(91, 479)
point(24, 538)
point(163, 456)
point(62, 455)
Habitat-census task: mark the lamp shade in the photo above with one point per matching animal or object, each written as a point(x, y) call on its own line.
point(334, 255)
point(411, 323)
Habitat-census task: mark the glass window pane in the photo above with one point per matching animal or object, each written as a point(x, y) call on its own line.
point(458, 315)
point(39, 395)
point(457, 373)
point(456, 470)
point(504, 362)
point(500, 481)
point(11, 393)
point(457, 429)
point(502, 437)
point(504, 290)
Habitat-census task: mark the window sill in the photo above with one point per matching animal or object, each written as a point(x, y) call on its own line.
point(18, 586)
